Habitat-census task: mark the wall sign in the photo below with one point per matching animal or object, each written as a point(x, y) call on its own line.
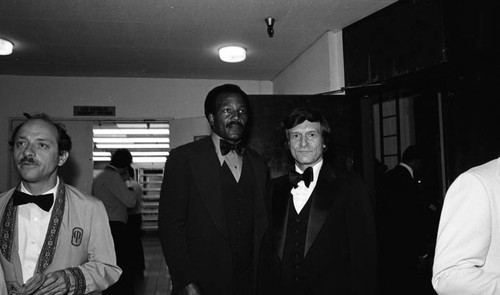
point(94, 111)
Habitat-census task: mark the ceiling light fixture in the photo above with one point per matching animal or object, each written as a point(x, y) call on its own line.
point(232, 54)
point(270, 26)
point(5, 47)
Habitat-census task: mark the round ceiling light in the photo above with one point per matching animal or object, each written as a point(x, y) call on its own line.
point(5, 47)
point(232, 54)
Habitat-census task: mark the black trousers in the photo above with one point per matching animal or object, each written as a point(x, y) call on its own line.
point(134, 231)
point(121, 239)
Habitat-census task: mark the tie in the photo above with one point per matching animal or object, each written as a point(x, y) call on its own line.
point(226, 147)
point(43, 201)
point(295, 177)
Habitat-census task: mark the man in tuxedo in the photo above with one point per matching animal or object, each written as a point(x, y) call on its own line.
point(322, 228)
point(402, 226)
point(54, 238)
point(212, 214)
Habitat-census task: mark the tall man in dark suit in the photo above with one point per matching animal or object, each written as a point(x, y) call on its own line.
point(212, 210)
point(322, 223)
point(402, 226)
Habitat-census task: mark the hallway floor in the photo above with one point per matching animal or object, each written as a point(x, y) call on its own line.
point(156, 280)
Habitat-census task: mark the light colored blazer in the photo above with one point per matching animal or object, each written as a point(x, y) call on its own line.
point(467, 259)
point(3, 287)
point(78, 241)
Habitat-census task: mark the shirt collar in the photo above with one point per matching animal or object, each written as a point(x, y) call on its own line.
point(50, 191)
point(216, 140)
point(112, 167)
point(316, 169)
point(408, 168)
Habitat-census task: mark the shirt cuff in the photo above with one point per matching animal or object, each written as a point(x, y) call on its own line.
point(77, 281)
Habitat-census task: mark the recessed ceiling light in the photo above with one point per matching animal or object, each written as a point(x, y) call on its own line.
point(232, 54)
point(5, 47)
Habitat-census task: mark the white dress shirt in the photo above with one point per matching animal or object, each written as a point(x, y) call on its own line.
point(32, 227)
point(302, 193)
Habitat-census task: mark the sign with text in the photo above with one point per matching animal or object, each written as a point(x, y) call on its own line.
point(94, 111)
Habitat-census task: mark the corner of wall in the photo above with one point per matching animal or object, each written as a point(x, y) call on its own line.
point(337, 78)
point(323, 63)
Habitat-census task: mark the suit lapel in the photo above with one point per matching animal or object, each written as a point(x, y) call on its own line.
point(205, 166)
point(321, 203)
point(280, 208)
point(15, 259)
point(259, 173)
point(9, 242)
point(260, 216)
point(49, 246)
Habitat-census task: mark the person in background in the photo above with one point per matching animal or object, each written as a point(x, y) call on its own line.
point(402, 225)
point(113, 188)
point(134, 225)
point(54, 238)
point(212, 215)
point(467, 255)
point(322, 231)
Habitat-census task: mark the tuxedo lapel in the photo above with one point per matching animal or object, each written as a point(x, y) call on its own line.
point(321, 203)
point(205, 166)
point(281, 233)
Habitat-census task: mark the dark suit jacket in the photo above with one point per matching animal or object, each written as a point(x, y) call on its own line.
point(340, 247)
point(192, 221)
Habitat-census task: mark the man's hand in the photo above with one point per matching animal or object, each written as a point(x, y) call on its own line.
point(56, 283)
point(191, 289)
point(32, 285)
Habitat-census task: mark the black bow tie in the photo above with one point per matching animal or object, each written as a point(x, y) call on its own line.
point(295, 177)
point(43, 201)
point(226, 147)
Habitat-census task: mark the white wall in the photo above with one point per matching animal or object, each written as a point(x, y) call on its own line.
point(319, 69)
point(184, 130)
point(133, 98)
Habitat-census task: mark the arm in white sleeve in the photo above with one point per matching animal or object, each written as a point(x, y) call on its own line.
point(464, 239)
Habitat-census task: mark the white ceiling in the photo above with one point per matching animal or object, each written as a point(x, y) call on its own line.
point(166, 38)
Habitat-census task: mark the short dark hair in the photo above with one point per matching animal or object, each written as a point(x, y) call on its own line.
point(211, 99)
point(299, 115)
point(63, 139)
point(412, 153)
point(121, 158)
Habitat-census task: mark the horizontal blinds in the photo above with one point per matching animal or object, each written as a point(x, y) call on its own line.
point(147, 142)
